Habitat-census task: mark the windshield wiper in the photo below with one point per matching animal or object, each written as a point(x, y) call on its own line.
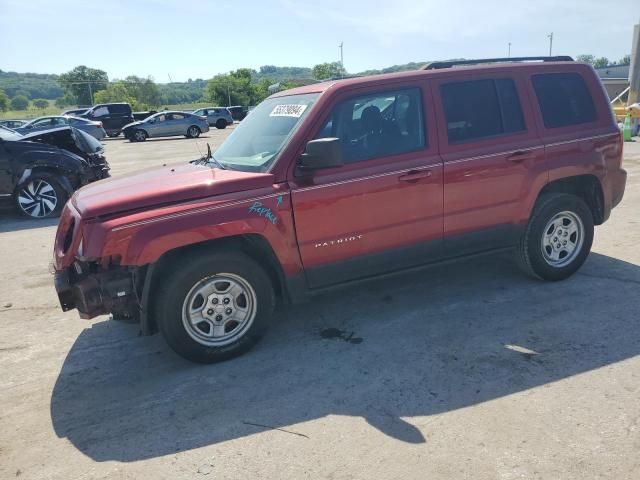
point(208, 158)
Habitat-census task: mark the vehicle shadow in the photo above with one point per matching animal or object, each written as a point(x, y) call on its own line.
point(11, 221)
point(421, 344)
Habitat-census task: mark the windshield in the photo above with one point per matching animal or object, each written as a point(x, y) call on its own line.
point(257, 140)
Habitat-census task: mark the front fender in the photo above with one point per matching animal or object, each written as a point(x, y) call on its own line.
point(145, 241)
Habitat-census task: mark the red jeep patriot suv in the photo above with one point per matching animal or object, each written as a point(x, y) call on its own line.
point(346, 180)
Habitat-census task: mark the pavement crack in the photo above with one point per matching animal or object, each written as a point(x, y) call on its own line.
point(275, 428)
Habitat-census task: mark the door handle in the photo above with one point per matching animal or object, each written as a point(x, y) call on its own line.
point(414, 175)
point(519, 156)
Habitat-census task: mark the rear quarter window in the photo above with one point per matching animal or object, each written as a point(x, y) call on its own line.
point(564, 99)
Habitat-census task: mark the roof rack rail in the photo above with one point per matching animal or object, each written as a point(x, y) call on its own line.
point(453, 63)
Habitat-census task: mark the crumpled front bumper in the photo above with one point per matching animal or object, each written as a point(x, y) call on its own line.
point(94, 294)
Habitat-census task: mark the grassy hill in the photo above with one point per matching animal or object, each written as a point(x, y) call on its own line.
point(35, 85)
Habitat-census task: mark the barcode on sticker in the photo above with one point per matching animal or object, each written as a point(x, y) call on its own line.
point(288, 111)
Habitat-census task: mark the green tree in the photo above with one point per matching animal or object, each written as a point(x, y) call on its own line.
point(19, 102)
point(41, 103)
point(601, 62)
point(328, 70)
point(144, 90)
point(626, 60)
point(4, 101)
point(66, 100)
point(590, 59)
point(81, 81)
point(141, 93)
point(235, 87)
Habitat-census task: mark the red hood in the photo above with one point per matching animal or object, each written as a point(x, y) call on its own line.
point(162, 186)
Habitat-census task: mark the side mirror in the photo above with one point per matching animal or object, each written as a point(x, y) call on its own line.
point(319, 154)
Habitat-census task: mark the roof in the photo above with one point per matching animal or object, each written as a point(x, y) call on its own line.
point(417, 74)
point(613, 71)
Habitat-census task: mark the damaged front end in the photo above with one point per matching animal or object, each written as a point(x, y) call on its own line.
point(94, 290)
point(93, 286)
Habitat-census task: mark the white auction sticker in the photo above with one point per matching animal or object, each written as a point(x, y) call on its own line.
point(288, 111)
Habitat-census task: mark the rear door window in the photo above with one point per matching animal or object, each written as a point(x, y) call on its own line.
point(564, 99)
point(101, 112)
point(119, 109)
point(479, 109)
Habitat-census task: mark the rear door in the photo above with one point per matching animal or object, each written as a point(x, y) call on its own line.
point(491, 153)
point(176, 124)
point(382, 210)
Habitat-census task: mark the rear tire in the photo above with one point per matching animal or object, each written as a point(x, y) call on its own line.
point(40, 196)
point(214, 306)
point(113, 134)
point(221, 124)
point(558, 237)
point(193, 132)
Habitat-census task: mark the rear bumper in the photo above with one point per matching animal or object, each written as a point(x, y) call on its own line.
point(613, 185)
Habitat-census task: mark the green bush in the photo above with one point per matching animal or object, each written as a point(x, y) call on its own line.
point(40, 103)
point(19, 102)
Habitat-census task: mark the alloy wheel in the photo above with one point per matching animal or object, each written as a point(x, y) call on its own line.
point(38, 198)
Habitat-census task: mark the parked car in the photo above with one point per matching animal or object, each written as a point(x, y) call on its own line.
point(342, 181)
point(238, 112)
point(94, 129)
point(114, 116)
point(13, 123)
point(218, 117)
point(166, 124)
point(76, 112)
point(41, 170)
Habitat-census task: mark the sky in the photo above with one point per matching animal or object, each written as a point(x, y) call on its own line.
point(177, 40)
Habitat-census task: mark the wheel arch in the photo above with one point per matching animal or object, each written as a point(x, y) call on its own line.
point(67, 177)
point(588, 187)
point(253, 245)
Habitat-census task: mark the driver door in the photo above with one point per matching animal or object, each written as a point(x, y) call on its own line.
point(382, 210)
point(157, 127)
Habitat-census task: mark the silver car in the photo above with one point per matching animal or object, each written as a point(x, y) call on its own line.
point(166, 124)
point(46, 123)
point(219, 117)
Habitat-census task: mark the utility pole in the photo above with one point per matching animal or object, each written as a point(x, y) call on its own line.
point(341, 54)
point(509, 51)
point(228, 96)
point(90, 93)
point(550, 36)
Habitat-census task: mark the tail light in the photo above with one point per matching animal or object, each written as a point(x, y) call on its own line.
point(100, 124)
point(203, 118)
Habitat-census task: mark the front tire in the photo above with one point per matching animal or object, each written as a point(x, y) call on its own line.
point(41, 196)
point(558, 237)
point(138, 136)
point(193, 132)
point(214, 306)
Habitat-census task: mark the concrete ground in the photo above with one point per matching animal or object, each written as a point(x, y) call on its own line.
point(465, 371)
